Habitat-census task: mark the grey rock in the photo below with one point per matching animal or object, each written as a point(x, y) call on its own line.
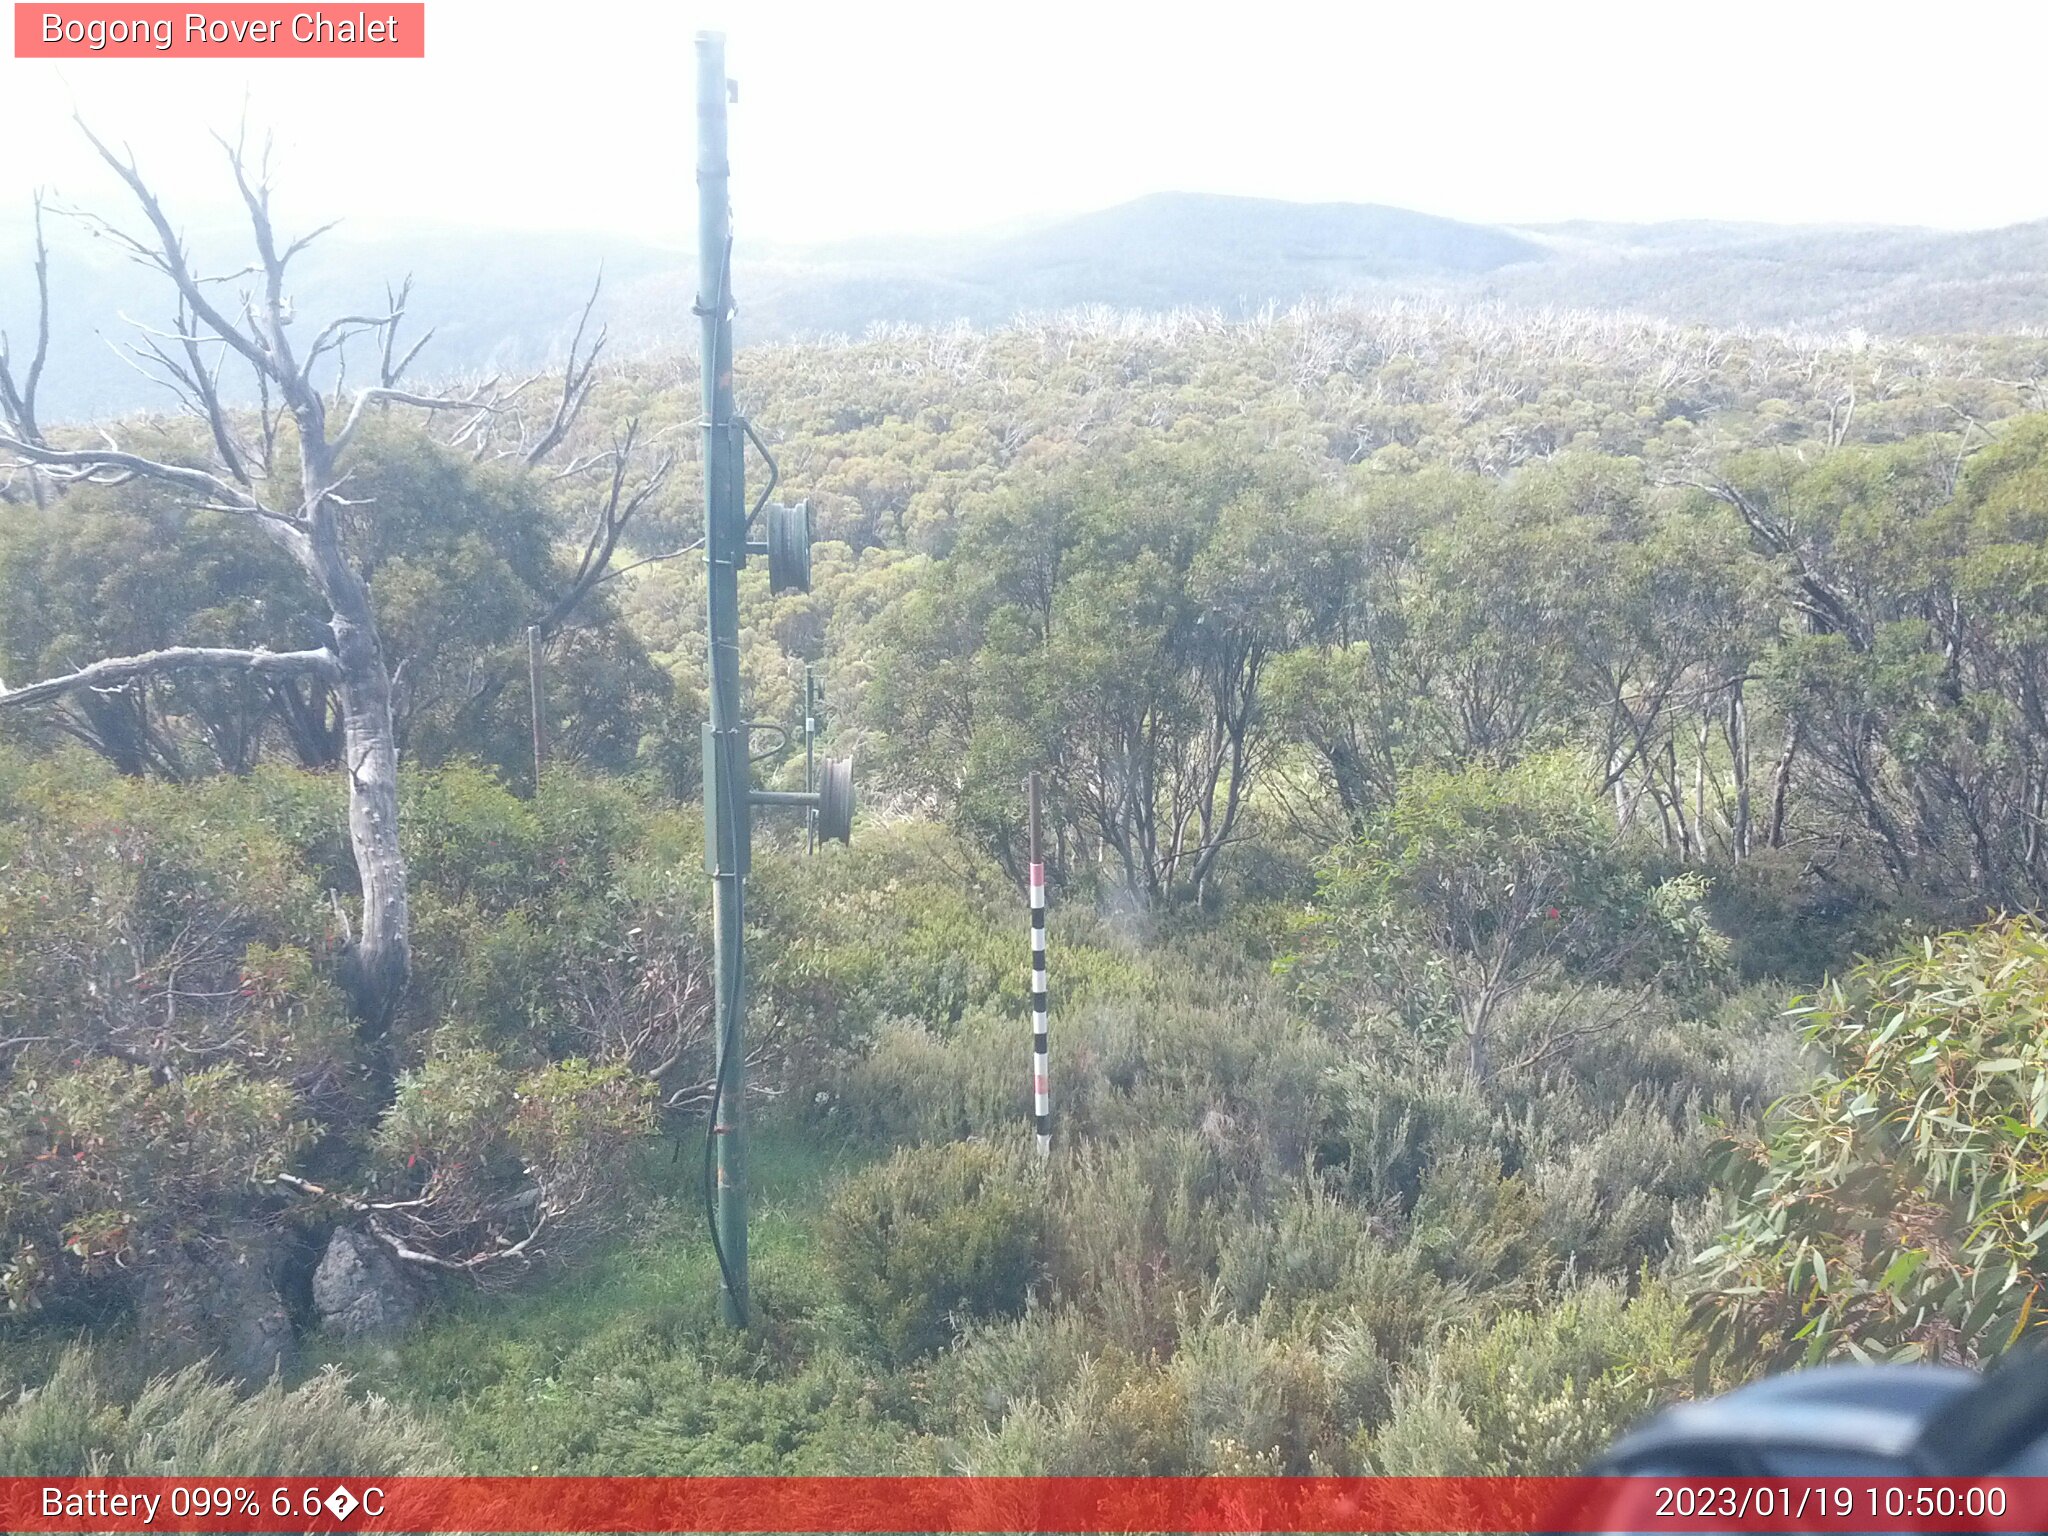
point(217, 1301)
point(360, 1290)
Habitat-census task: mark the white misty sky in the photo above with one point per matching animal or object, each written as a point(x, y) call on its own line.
point(891, 117)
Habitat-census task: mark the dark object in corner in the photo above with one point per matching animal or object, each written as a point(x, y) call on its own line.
point(1853, 1420)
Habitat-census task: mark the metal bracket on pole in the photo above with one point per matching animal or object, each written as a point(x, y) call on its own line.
point(830, 805)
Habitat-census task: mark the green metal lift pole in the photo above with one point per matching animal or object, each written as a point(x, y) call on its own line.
point(727, 812)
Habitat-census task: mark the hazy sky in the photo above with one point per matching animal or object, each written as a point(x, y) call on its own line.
point(880, 117)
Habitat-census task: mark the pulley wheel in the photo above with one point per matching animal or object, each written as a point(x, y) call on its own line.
point(835, 800)
point(789, 547)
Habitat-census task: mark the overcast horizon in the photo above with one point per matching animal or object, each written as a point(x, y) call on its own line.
point(527, 115)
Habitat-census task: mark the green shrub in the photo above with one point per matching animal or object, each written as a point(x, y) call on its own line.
point(997, 1366)
point(190, 1424)
point(905, 926)
point(1137, 1227)
point(919, 1084)
point(119, 1170)
point(468, 837)
point(1605, 1204)
point(1395, 1124)
point(1360, 1377)
point(902, 924)
point(1232, 1399)
point(667, 1413)
point(1475, 1225)
point(1487, 909)
point(1255, 1403)
point(483, 1159)
point(1536, 1393)
point(935, 1235)
point(1298, 1261)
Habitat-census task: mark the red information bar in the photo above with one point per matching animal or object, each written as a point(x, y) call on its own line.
point(1002, 1504)
point(379, 30)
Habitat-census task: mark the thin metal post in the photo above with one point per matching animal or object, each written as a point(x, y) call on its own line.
point(540, 708)
point(810, 756)
point(726, 776)
point(1041, 1061)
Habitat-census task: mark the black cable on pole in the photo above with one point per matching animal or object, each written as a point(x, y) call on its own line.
point(727, 1037)
point(729, 1027)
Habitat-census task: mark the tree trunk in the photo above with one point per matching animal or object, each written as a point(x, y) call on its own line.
point(1478, 1056)
point(1781, 787)
point(1738, 756)
point(379, 962)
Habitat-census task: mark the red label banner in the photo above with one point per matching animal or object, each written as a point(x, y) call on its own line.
point(227, 31)
point(1039, 1504)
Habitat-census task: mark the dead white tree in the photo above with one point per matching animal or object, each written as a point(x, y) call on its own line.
point(301, 507)
point(18, 385)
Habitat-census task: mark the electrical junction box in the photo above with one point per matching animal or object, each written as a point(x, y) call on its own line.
point(728, 829)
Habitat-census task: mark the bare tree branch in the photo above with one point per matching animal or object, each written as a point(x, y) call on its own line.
point(608, 525)
point(116, 670)
point(674, 554)
point(74, 464)
point(365, 398)
point(18, 397)
point(378, 1215)
point(303, 241)
point(349, 683)
point(169, 257)
point(577, 379)
point(335, 332)
point(392, 367)
point(206, 385)
point(303, 399)
point(308, 1187)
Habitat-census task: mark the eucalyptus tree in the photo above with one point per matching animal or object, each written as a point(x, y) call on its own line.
point(1498, 913)
point(1909, 674)
point(1112, 626)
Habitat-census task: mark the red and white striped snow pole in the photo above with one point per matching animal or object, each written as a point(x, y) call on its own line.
point(1041, 1082)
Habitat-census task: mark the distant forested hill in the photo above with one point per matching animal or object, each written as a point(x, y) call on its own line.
point(504, 300)
point(1171, 251)
point(1902, 282)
